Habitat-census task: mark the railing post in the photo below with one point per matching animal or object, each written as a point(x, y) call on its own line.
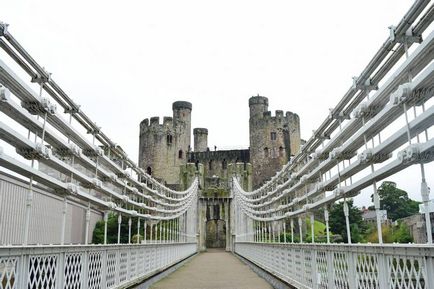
point(23, 269)
point(84, 271)
point(300, 225)
point(330, 269)
point(347, 220)
point(326, 218)
point(352, 272)
point(104, 269)
point(86, 233)
point(60, 280)
point(118, 263)
point(429, 269)
point(314, 268)
point(383, 270)
point(119, 228)
point(105, 227)
point(129, 230)
point(64, 211)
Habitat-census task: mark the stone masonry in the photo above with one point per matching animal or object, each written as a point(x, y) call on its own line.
point(165, 153)
point(273, 139)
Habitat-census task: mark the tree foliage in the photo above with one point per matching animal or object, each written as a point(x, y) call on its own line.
point(112, 230)
point(396, 201)
point(338, 225)
point(391, 234)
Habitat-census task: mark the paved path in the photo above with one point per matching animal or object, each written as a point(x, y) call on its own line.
point(214, 269)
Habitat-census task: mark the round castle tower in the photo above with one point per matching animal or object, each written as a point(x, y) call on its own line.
point(200, 139)
point(163, 147)
point(273, 139)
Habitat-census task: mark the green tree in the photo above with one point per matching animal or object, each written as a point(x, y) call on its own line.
point(112, 230)
point(338, 225)
point(396, 201)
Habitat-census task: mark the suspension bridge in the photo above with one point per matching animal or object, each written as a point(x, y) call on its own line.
point(61, 174)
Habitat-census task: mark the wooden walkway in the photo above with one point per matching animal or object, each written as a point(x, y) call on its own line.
point(214, 269)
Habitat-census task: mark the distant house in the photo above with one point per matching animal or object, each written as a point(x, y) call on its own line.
point(370, 216)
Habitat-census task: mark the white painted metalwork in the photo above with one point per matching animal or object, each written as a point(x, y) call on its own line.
point(93, 266)
point(345, 266)
point(65, 181)
point(366, 137)
point(369, 136)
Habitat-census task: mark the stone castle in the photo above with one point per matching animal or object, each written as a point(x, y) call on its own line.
point(165, 149)
point(165, 153)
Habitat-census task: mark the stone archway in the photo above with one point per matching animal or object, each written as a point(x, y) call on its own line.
point(216, 233)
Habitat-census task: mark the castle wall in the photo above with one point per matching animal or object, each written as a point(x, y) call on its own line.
point(216, 166)
point(215, 207)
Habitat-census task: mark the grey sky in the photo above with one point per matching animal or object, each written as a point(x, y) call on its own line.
point(124, 61)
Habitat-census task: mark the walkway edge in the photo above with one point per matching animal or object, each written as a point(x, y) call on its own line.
point(274, 281)
point(146, 282)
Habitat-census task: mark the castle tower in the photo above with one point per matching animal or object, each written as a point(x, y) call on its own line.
point(258, 105)
point(163, 147)
point(273, 139)
point(200, 139)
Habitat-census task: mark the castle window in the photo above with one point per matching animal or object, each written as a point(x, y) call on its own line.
point(210, 165)
point(281, 152)
point(149, 171)
point(274, 153)
point(169, 139)
point(180, 154)
point(224, 164)
point(273, 135)
point(266, 152)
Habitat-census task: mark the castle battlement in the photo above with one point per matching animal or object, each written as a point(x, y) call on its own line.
point(278, 117)
point(261, 100)
point(163, 146)
point(153, 124)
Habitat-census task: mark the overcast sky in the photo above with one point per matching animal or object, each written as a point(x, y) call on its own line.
point(124, 61)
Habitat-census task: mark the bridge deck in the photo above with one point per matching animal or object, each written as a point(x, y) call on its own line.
point(211, 270)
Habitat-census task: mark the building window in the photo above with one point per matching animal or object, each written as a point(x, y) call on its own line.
point(274, 153)
point(281, 152)
point(149, 171)
point(180, 154)
point(266, 152)
point(169, 139)
point(210, 165)
point(273, 135)
point(224, 164)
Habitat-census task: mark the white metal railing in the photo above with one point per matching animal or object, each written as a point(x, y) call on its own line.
point(369, 136)
point(345, 266)
point(92, 266)
point(383, 125)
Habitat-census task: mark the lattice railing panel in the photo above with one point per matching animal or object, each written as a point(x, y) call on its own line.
point(8, 272)
point(42, 272)
point(94, 270)
point(367, 271)
point(123, 266)
point(340, 270)
point(73, 271)
point(84, 267)
point(342, 266)
point(407, 272)
point(321, 269)
point(111, 269)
